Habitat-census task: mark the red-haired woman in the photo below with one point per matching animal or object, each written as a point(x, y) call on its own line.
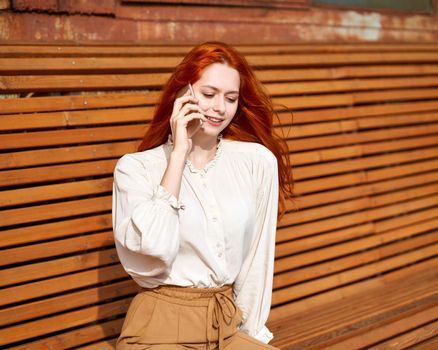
point(195, 210)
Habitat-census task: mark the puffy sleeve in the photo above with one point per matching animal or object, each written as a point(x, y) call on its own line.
point(145, 220)
point(253, 286)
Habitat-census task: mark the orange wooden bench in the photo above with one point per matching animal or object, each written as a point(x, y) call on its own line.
point(356, 264)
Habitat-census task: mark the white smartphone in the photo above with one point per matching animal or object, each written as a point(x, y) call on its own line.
point(191, 90)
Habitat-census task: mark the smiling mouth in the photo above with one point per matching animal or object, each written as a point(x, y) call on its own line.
point(214, 120)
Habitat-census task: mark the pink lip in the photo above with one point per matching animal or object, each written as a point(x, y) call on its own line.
point(214, 123)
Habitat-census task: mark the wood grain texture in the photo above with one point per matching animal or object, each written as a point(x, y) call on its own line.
point(356, 251)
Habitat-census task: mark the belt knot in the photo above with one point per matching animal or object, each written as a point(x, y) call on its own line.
point(220, 313)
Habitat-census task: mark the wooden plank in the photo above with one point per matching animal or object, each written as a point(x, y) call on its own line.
point(56, 172)
point(349, 291)
point(358, 190)
point(106, 345)
point(62, 322)
point(84, 82)
point(66, 302)
point(56, 267)
point(62, 284)
point(386, 331)
point(122, 49)
point(61, 155)
point(45, 212)
point(334, 324)
point(309, 171)
point(81, 102)
point(359, 150)
point(62, 191)
point(60, 229)
point(74, 338)
point(71, 136)
point(278, 75)
point(93, 64)
point(32, 252)
point(318, 267)
point(351, 316)
point(294, 246)
point(369, 242)
point(354, 218)
point(411, 338)
point(431, 344)
point(327, 114)
point(76, 118)
point(309, 87)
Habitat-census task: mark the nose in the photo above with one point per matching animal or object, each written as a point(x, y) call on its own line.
point(219, 104)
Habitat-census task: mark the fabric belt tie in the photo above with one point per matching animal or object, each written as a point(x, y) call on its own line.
point(220, 313)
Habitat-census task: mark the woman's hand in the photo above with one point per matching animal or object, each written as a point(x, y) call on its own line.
point(186, 120)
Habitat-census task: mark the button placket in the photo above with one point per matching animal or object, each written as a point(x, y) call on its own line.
point(214, 219)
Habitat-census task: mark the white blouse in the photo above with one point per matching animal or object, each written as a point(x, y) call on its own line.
point(220, 231)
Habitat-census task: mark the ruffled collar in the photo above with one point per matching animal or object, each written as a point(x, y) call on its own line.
point(210, 164)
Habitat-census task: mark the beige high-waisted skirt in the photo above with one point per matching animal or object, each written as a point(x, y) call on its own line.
point(171, 317)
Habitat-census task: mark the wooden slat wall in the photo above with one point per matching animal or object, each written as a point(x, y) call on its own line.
point(364, 146)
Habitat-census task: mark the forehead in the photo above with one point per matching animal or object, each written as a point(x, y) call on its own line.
point(221, 76)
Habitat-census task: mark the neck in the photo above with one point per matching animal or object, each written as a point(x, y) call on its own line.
point(203, 149)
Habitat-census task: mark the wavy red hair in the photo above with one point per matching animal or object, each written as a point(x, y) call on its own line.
point(253, 121)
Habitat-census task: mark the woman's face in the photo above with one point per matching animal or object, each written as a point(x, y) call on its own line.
point(218, 93)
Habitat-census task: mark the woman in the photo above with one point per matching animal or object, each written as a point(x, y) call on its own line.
point(195, 210)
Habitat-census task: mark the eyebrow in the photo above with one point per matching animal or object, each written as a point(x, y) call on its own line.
point(216, 89)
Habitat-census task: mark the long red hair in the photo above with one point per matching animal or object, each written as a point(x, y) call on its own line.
point(253, 121)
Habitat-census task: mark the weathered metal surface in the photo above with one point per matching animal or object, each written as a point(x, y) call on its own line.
point(31, 5)
point(107, 20)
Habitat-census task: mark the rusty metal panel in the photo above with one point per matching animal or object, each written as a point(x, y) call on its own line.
point(88, 6)
point(29, 5)
point(108, 20)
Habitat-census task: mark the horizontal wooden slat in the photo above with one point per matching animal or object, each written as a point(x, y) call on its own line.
point(75, 64)
point(71, 136)
point(51, 192)
point(408, 339)
point(84, 82)
point(77, 337)
point(76, 118)
point(66, 154)
point(355, 218)
point(332, 259)
point(57, 248)
point(368, 242)
point(348, 85)
point(277, 75)
point(57, 267)
point(44, 212)
point(63, 303)
point(62, 322)
point(392, 329)
point(62, 284)
point(57, 172)
point(68, 103)
point(348, 291)
point(122, 49)
point(63, 228)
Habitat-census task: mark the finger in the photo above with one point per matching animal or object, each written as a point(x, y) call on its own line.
point(189, 107)
point(186, 98)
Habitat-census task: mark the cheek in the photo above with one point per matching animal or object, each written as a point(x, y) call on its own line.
point(231, 110)
point(203, 104)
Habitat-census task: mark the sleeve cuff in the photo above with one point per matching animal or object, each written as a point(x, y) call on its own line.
point(164, 196)
point(264, 335)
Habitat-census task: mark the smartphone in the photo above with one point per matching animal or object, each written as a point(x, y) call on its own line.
point(184, 90)
point(191, 90)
